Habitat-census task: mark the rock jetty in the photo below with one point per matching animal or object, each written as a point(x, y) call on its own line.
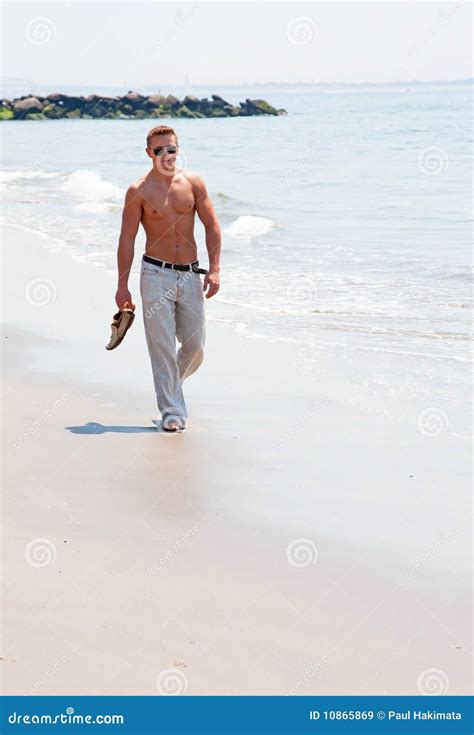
point(131, 106)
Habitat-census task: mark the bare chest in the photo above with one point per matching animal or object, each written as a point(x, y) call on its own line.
point(159, 202)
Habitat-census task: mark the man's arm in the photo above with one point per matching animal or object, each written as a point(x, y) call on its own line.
point(131, 217)
point(208, 217)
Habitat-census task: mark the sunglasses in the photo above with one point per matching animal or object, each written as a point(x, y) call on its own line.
point(161, 149)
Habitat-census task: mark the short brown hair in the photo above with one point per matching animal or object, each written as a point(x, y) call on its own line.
point(160, 130)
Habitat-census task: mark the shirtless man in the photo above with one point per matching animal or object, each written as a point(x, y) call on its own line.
point(164, 201)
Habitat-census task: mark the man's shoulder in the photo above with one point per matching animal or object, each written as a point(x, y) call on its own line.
point(195, 179)
point(135, 190)
point(133, 194)
point(137, 185)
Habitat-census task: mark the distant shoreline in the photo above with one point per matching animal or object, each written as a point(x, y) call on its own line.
point(23, 82)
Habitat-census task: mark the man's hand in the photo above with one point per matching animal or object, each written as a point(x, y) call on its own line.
point(123, 295)
point(211, 283)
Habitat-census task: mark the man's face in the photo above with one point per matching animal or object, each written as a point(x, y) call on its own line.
point(163, 159)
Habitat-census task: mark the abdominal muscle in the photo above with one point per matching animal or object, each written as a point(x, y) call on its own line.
point(171, 238)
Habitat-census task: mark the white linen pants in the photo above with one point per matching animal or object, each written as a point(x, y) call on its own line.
point(173, 309)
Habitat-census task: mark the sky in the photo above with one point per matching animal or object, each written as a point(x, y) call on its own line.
point(133, 44)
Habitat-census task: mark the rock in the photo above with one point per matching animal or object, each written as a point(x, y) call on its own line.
point(67, 103)
point(217, 112)
point(97, 111)
point(141, 114)
point(54, 112)
point(29, 104)
point(172, 101)
point(219, 101)
point(192, 103)
point(260, 107)
point(159, 112)
point(92, 98)
point(56, 97)
point(184, 111)
point(109, 102)
point(5, 113)
point(156, 100)
point(134, 98)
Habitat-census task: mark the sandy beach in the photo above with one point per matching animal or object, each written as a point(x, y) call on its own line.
point(286, 543)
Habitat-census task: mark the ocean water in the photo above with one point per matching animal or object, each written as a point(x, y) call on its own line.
point(346, 226)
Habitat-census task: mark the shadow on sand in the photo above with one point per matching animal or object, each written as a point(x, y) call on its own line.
point(94, 428)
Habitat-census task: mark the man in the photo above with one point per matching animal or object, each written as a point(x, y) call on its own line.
point(164, 201)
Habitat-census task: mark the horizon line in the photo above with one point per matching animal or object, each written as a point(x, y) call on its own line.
point(17, 81)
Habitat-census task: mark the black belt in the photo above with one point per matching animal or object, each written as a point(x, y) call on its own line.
point(175, 266)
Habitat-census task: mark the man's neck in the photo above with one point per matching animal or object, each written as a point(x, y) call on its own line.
point(162, 177)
